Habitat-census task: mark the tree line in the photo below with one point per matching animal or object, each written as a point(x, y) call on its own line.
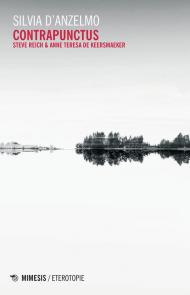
point(113, 140)
point(99, 140)
point(181, 141)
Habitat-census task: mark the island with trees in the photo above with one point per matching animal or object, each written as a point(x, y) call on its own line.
point(113, 149)
point(99, 140)
point(14, 148)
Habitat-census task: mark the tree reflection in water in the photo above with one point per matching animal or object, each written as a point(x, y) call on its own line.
point(115, 157)
point(180, 157)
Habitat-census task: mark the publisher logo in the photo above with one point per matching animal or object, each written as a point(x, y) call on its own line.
point(24, 278)
point(14, 278)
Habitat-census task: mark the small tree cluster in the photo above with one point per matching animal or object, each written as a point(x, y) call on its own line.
point(180, 141)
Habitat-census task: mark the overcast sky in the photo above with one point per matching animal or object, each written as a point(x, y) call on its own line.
point(59, 96)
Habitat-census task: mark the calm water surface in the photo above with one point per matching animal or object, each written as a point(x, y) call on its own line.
point(125, 227)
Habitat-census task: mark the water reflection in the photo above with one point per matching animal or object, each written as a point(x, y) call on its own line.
point(115, 157)
point(16, 152)
point(181, 157)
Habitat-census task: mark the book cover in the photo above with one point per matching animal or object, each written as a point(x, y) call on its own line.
point(94, 147)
